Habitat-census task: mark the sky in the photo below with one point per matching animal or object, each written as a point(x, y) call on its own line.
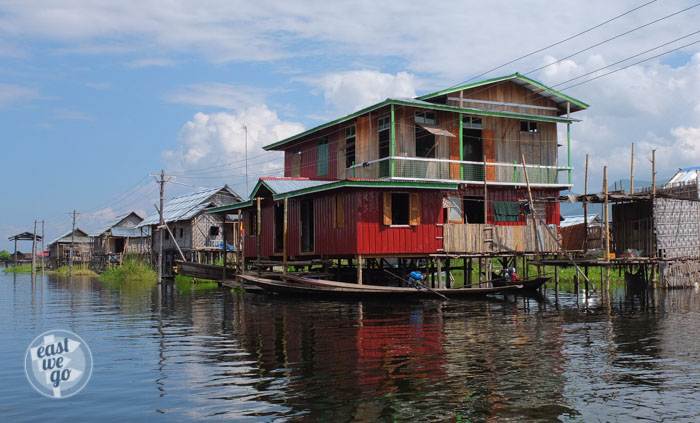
point(97, 95)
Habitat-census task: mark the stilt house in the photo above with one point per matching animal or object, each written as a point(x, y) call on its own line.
point(59, 248)
point(413, 177)
point(198, 235)
point(121, 236)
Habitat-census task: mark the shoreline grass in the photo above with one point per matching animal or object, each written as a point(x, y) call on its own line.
point(131, 270)
point(63, 271)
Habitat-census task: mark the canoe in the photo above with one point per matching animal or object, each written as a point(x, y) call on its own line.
point(527, 284)
point(307, 286)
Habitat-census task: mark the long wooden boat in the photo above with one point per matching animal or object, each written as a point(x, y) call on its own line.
point(527, 284)
point(307, 286)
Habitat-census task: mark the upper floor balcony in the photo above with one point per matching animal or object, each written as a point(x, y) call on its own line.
point(459, 171)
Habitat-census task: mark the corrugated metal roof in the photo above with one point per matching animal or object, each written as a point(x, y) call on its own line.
point(284, 185)
point(187, 206)
point(113, 223)
point(689, 174)
point(131, 232)
point(77, 238)
point(577, 220)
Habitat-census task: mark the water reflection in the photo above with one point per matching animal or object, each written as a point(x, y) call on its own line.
point(199, 354)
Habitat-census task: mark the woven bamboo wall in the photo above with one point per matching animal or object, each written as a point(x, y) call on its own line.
point(677, 228)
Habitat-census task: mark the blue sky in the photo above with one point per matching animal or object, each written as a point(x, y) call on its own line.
point(93, 97)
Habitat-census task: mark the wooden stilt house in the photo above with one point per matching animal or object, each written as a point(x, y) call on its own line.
point(198, 235)
point(59, 248)
point(414, 178)
point(120, 236)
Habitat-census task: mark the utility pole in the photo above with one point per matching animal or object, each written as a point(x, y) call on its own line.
point(632, 171)
point(653, 173)
point(42, 246)
point(34, 251)
point(161, 223)
point(245, 128)
point(72, 241)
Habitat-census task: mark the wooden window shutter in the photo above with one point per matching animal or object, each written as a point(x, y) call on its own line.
point(415, 209)
point(339, 211)
point(387, 208)
point(490, 153)
point(454, 155)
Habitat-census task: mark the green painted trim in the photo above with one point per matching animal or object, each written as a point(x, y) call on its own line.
point(504, 78)
point(480, 112)
point(327, 125)
point(461, 145)
point(393, 141)
point(471, 111)
point(236, 206)
point(366, 184)
point(568, 149)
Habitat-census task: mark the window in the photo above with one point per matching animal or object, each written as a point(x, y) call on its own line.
point(350, 146)
point(528, 126)
point(166, 234)
point(182, 232)
point(425, 117)
point(474, 209)
point(322, 156)
point(472, 122)
point(384, 125)
point(425, 143)
point(339, 211)
point(251, 227)
point(307, 233)
point(401, 209)
point(279, 226)
point(213, 231)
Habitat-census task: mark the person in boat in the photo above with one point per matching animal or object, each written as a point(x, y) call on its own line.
point(415, 278)
point(510, 274)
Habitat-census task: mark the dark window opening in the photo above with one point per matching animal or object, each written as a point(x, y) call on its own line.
point(251, 228)
point(528, 126)
point(322, 156)
point(182, 232)
point(279, 227)
point(350, 146)
point(119, 245)
point(400, 208)
point(166, 234)
point(384, 145)
point(473, 209)
point(425, 143)
point(472, 122)
point(426, 117)
point(213, 231)
point(306, 210)
point(472, 145)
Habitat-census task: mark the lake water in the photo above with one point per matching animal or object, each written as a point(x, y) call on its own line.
point(178, 354)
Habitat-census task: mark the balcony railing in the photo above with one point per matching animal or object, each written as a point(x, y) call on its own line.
point(414, 168)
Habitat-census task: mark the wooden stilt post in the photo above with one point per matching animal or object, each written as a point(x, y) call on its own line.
point(585, 269)
point(359, 269)
point(223, 273)
point(284, 239)
point(466, 269)
point(607, 224)
point(556, 278)
point(632, 170)
point(240, 256)
point(479, 279)
point(576, 281)
point(585, 209)
point(440, 281)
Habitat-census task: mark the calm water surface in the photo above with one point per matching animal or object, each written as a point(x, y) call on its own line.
point(178, 354)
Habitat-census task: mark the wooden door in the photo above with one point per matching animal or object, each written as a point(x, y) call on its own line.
point(490, 153)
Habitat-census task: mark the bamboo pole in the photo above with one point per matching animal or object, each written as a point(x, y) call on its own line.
point(533, 215)
point(259, 245)
point(34, 251)
point(223, 274)
point(607, 225)
point(632, 171)
point(585, 209)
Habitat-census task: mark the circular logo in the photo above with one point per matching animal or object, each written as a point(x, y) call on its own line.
point(58, 363)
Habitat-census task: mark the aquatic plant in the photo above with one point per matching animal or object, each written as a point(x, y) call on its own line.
point(132, 269)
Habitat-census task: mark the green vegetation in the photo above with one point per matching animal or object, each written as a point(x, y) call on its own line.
point(63, 271)
point(187, 283)
point(4, 256)
point(131, 270)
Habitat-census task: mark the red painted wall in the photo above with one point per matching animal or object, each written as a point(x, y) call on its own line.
point(364, 232)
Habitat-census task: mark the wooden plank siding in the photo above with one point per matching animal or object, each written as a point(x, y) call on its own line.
point(472, 238)
point(505, 92)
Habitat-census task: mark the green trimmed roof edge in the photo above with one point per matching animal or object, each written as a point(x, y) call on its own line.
point(504, 78)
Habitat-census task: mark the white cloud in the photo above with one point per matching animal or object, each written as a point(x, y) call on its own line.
point(72, 115)
point(350, 91)
point(218, 95)
point(216, 143)
point(151, 62)
point(11, 95)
